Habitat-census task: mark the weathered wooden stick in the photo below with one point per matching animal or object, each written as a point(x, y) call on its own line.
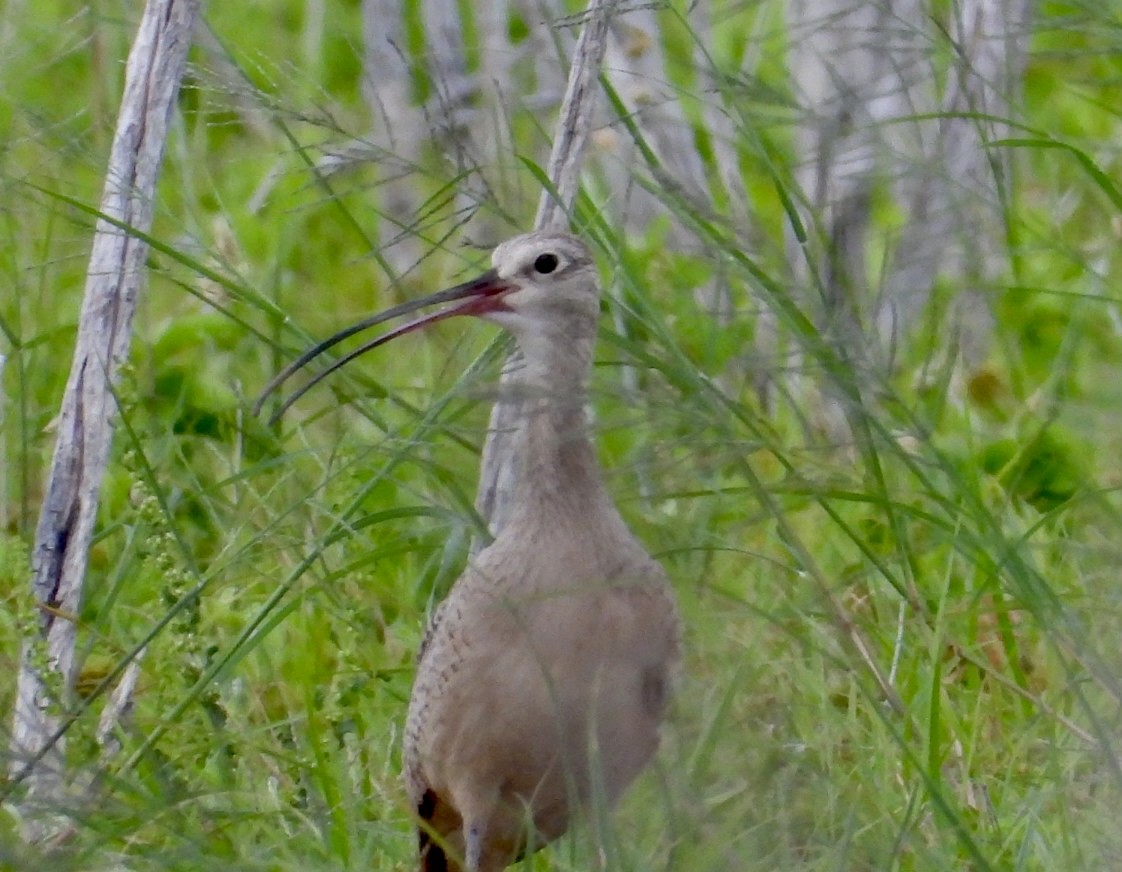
point(499, 467)
point(575, 122)
point(85, 424)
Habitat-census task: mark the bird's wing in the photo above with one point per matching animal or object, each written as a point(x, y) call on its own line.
point(430, 631)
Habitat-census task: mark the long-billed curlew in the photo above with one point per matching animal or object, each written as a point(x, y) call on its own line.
point(543, 678)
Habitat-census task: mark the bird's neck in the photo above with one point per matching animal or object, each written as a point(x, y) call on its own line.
point(560, 503)
point(557, 459)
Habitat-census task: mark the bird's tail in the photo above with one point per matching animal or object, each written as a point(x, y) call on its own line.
point(433, 858)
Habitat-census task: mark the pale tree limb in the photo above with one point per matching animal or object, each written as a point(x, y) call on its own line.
point(575, 123)
point(961, 194)
point(636, 66)
point(398, 128)
point(117, 710)
point(3, 441)
point(867, 76)
point(85, 423)
point(501, 462)
point(858, 69)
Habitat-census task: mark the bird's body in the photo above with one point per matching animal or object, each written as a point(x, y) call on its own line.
point(544, 675)
point(543, 679)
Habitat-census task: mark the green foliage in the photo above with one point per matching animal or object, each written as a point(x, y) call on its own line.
point(900, 649)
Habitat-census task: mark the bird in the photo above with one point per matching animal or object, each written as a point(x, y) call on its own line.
point(544, 677)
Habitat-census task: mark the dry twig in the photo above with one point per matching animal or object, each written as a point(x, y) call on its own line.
point(85, 423)
point(500, 464)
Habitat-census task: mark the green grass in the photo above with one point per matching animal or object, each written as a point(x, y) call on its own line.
point(966, 546)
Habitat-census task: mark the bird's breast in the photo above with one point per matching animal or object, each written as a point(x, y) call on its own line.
point(540, 686)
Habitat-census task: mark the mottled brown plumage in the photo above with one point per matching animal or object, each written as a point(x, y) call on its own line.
point(544, 675)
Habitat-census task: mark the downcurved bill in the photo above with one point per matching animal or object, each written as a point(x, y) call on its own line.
point(479, 296)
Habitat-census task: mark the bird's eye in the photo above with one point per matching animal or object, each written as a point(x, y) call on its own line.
point(545, 264)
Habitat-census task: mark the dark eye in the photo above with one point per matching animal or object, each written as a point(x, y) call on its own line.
point(546, 263)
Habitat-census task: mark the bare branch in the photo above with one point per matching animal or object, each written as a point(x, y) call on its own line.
point(961, 190)
point(500, 463)
point(576, 118)
point(117, 710)
point(85, 424)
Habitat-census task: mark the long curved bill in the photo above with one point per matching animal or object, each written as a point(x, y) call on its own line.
point(479, 296)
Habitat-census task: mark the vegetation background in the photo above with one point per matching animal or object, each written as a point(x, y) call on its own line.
point(901, 626)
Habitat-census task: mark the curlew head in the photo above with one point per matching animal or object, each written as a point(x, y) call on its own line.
point(542, 287)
